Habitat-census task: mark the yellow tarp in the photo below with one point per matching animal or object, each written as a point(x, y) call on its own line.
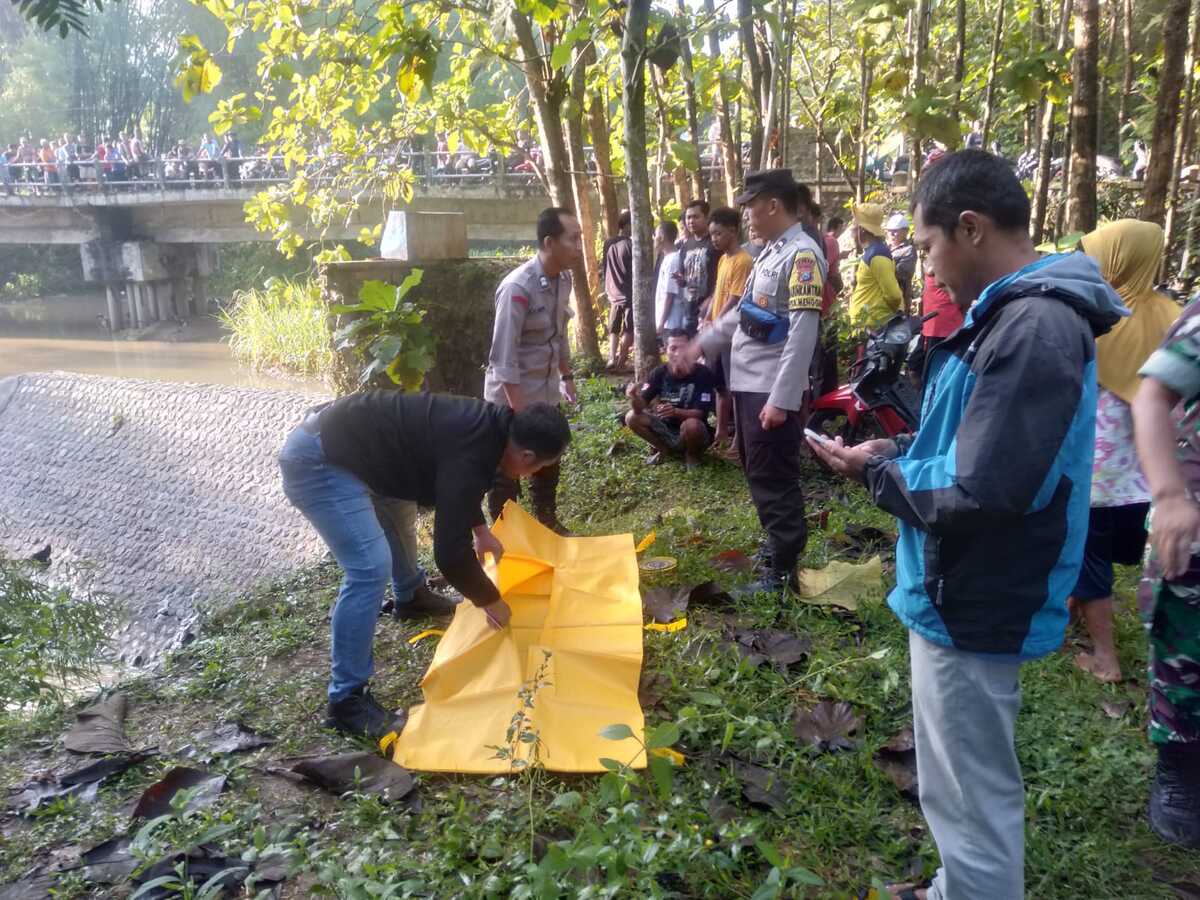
point(578, 598)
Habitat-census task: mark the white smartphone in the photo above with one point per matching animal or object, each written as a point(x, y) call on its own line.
point(819, 438)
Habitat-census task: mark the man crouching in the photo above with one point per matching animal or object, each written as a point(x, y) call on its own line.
point(670, 410)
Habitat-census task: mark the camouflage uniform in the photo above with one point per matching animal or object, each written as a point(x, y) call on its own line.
point(1171, 609)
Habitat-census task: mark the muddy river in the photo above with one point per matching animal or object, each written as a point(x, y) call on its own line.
point(66, 333)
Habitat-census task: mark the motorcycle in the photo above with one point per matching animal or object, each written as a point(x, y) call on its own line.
point(879, 400)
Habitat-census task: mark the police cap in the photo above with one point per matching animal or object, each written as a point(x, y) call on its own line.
point(767, 180)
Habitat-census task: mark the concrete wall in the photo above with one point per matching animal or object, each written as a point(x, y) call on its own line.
point(162, 495)
point(459, 299)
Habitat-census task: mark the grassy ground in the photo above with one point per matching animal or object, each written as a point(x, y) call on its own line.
point(839, 824)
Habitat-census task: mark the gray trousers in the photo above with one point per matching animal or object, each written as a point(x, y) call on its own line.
point(964, 711)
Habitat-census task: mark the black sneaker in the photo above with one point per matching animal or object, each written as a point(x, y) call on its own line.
point(358, 713)
point(425, 603)
point(775, 581)
point(1175, 799)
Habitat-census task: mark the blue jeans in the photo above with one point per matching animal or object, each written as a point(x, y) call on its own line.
point(371, 537)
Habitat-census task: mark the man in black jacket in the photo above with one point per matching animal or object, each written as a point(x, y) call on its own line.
point(358, 468)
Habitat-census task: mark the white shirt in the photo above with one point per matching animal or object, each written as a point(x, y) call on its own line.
point(668, 286)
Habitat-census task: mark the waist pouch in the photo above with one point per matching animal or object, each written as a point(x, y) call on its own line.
point(760, 324)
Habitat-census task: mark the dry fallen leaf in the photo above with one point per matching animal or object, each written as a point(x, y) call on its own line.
point(897, 759)
point(757, 645)
point(827, 726)
point(665, 604)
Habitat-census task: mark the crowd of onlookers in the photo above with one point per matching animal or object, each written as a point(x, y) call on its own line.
point(70, 161)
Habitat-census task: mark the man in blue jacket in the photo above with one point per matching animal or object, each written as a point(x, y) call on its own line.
point(992, 498)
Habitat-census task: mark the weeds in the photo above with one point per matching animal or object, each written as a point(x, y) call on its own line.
point(283, 325)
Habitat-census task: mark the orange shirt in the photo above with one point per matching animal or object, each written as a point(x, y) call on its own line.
point(732, 273)
point(47, 156)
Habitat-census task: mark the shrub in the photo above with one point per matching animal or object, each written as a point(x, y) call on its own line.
point(48, 636)
point(283, 325)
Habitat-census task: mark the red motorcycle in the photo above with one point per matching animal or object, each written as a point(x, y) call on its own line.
point(880, 400)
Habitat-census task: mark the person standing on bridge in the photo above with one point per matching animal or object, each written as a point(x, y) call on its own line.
point(358, 467)
point(530, 359)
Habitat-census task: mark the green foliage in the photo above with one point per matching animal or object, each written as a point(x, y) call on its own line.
point(22, 285)
point(283, 325)
point(388, 333)
point(64, 15)
point(49, 637)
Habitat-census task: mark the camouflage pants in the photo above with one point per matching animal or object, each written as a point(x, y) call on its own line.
point(1171, 612)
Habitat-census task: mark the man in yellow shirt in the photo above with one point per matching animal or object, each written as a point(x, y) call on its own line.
point(733, 270)
point(877, 295)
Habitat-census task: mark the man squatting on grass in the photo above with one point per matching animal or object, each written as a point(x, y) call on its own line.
point(358, 468)
point(992, 494)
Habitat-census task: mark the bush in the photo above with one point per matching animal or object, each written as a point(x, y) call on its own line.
point(48, 637)
point(283, 325)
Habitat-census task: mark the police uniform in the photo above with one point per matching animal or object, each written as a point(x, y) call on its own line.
point(774, 331)
point(529, 339)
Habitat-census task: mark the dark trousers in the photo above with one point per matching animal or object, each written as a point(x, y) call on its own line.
point(543, 492)
point(771, 460)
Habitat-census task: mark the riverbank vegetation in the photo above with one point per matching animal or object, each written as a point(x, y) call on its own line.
point(758, 810)
point(281, 326)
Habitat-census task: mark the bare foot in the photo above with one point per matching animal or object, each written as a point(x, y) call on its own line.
point(1073, 613)
point(1107, 671)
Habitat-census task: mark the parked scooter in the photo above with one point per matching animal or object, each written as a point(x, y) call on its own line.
point(880, 400)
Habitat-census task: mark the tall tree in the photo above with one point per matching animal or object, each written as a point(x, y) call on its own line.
point(1166, 111)
point(1126, 72)
point(1041, 195)
point(1081, 202)
point(989, 103)
point(633, 101)
point(916, 80)
point(606, 187)
point(749, 52)
point(731, 159)
point(1183, 129)
point(960, 52)
point(699, 187)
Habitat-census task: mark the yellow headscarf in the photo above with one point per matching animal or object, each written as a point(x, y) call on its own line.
point(1129, 253)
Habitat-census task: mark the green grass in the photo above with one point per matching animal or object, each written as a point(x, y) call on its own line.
point(282, 326)
point(263, 660)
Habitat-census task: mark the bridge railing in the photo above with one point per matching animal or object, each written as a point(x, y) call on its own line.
point(432, 169)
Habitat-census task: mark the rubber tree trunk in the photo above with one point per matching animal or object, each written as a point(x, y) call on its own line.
point(1127, 72)
point(583, 207)
point(1183, 127)
point(1085, 76)
point(1166, 112)
point(633, 100)
point(1041, 198)
point(960, 51)
point(731, 159)
point(749, 51)
point(548, 93)
point(699, 186)
point(606, 185)
point(864, 122)
point(989, 103)
point(916, 80)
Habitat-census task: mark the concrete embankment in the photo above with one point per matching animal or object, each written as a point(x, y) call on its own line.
point(161, 495)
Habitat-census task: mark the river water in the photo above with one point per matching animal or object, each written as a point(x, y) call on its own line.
point(65, 333)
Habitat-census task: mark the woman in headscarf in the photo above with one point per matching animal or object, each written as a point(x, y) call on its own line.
point(1129, 253)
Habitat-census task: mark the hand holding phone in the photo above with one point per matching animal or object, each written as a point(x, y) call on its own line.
point(819, 438)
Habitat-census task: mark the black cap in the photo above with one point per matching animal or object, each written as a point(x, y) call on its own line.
point(768, 179)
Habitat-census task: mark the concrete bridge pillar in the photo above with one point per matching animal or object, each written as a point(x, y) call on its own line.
point(160, 281)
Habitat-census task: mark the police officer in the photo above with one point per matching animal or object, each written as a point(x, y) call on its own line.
point(773, 331)
point(530, 359)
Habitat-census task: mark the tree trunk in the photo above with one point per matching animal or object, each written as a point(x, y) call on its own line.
point(633, 99)
point(1127, 74)
point(548, 94)
point(771, 75)
point(750, 54)
point(1182, 137)
point(586, 311)
point(606, 185)
point(1045, 156)
point(1081, 201)
point(916, 81)
point(731, 159)
point(1166, 112)
point(864, 122)
point(960, 51)
point(689, 86)
point(989, 103)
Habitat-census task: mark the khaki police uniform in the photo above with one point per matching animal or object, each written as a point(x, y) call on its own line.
point(529, 339)
point(787, 280)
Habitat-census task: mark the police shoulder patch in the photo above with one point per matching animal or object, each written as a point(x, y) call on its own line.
point(805, 285)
